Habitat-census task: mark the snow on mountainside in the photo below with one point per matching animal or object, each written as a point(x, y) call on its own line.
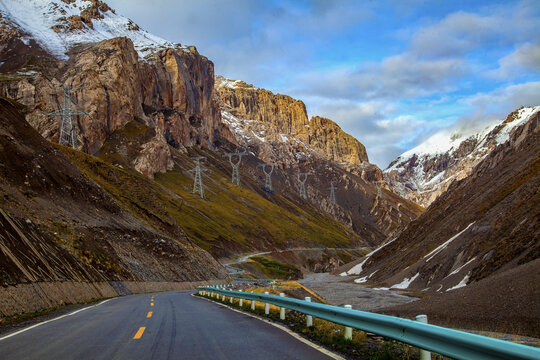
point(424, 172)
point(58, 25)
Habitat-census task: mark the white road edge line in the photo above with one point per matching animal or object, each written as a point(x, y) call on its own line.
point(47, 321)
point(283, 328)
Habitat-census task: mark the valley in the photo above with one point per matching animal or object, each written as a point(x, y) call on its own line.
point(144, 197)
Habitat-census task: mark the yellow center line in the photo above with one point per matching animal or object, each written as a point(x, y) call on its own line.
point(151, 304)
point(139, 333)
point(149, 314)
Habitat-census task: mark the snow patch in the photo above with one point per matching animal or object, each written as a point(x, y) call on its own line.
point(445, 244)
point(461, 267)
point(405, 283)
point(37, 17)
point(357, 269)
point(361, 280)
point(522, 117)
point(461, 284)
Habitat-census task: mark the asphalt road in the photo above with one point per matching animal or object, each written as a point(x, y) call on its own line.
point(176, 326)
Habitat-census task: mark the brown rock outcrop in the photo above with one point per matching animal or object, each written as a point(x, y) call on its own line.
point(173, 91)
point(326, 137)
point(281, 114)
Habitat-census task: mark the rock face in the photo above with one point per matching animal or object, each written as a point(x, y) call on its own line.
point(425, 172)
point(280, 116)
point(326, 137)
point(171, 88)
point(485, 224)
point(281, 112)
point(173, 92)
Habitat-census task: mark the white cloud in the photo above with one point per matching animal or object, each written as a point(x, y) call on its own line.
point(526, 58)
point(398, 76)
point(505, 99)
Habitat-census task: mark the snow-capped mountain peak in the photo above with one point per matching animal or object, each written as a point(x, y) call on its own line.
point(424, 172)
point(60, 24)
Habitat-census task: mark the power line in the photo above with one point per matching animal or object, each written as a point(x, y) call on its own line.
point(235, 166)
point(68, 133)
point(303, 193)
point(379, 190)
point(198, 187)
point(268, 180)
point(332, 189)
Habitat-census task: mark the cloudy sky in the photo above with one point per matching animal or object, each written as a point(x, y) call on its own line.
point(388, 72)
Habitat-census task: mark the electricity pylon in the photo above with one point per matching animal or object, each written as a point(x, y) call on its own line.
point(268, 180)
point(303, 184)
point(198, 184)
point(68, 133)
point(379, 190)
point(332, 189)
point(235, 167)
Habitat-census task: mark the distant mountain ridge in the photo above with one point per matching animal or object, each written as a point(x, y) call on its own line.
point(426, 171)
point(486, 223)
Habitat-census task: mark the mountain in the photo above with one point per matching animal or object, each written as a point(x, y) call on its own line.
point(275, 128)
point(171, 89)
point(426, 171)
point(61, 233)
point(118, 208)
point(481, 236)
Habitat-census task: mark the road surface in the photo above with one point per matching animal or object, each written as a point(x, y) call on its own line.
point(172, 325)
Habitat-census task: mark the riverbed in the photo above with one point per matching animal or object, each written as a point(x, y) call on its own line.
point(338, 291)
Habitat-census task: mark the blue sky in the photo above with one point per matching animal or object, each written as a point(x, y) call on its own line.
point(390, 73)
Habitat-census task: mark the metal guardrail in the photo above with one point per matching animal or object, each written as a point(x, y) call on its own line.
point(448, 342)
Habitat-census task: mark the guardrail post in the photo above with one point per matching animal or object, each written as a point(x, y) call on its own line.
point(266, 306)
point(309, 318)
point(282, 309)
point(348, 330)
point(241, 301)
point(424, 354)
point(232, 299)
point(252, 303)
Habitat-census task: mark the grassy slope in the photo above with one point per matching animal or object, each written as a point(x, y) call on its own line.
point(231, 215)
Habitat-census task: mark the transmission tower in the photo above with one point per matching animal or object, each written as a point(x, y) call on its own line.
point(198, 184)
point(68, 135)
point(303, 184)
point(235, 167)
point(332, 189)
point(379, 189)
point(268, 182)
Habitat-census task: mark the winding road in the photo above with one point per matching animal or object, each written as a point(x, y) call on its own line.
point(172, 325)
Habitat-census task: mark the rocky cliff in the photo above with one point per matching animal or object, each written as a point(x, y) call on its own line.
point(280, 116)
point(170, 88)
point(422, 174)
point(172, 91)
